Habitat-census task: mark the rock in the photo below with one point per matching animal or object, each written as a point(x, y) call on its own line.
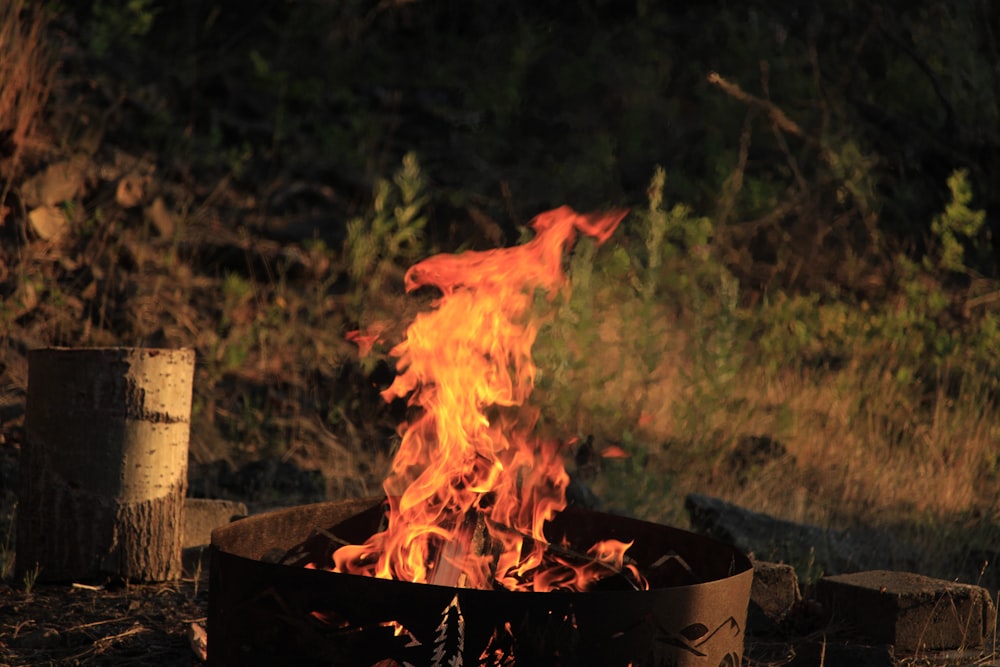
point(25, 298)
point(203, 515)
point(773, 595)
point(161, 218)
point(910, 611)
point(131, 190)
point(772, 539)
point(58, 183)
point(48, 222)
point(265, 483)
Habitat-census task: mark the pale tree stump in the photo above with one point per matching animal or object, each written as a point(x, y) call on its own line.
point(104, 464)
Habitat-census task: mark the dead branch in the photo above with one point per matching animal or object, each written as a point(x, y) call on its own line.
point(983, 300)
point(734, 184)
point(777, 116)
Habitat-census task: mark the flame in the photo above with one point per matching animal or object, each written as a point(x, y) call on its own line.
point(471, 487)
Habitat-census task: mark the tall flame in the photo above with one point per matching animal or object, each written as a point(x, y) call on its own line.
point(471, 487)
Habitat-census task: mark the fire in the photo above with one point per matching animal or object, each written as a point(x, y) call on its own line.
point(471, 487)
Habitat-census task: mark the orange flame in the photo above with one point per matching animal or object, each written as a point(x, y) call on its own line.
point(468, 467)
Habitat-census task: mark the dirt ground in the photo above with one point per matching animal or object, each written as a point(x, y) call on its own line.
point(109, 625)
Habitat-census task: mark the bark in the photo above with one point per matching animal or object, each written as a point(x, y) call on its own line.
point(104, 464)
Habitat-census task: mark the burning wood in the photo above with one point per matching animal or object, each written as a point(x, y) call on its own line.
point(627, 569)
point(471, 487)
point(264, 613)
point(471, 542)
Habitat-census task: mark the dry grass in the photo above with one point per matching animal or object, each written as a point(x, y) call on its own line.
point(27, 71)
point(863, 450)
point(268, 326)
point(870, 449)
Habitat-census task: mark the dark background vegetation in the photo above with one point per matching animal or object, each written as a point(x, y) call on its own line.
point(518, 107)
point(813, 196)
point(813, 244)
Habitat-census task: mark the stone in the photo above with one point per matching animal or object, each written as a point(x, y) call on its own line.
point(267, 483)
point(58, 183)
point(772, 539)
point(910, 611)
point(203, 515)
point(48, 222)
point(773, 594)
point(131, 190)
point(162, 219)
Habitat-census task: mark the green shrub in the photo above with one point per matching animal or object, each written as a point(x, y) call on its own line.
point(956, 223)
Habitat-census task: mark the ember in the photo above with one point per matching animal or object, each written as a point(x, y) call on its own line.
point(471, 487)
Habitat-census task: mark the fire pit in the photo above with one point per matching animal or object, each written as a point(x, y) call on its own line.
point(267, 608)
point(473, 557)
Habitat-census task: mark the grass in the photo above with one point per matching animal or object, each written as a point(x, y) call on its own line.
point(30, 578)
point(7, 551)
point(671, 345)
point(26, 77)
point(862, 452)
point(885, 422)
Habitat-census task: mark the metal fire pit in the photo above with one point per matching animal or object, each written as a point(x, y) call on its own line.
point(266, 608)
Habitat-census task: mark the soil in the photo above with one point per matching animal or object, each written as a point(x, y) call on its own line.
point(109, 625)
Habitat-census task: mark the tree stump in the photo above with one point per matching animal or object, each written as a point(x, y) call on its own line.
point(104, 464)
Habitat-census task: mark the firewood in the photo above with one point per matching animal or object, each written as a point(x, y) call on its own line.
point(471, 539)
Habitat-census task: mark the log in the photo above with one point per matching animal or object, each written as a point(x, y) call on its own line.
point(104, 464)
point(470, 540)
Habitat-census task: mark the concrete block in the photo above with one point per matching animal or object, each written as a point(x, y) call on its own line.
point(910, 611)
point(202, 515)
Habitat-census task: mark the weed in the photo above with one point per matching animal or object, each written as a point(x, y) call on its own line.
point(379, 246)
point(196, 575)
point(786, 314)
point(30, 578)
point(957, 222)
point(7, 551)
point(625, 485)
point(6, 561)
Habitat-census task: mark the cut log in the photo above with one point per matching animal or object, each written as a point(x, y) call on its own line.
point(470, 541)
point(104, 464)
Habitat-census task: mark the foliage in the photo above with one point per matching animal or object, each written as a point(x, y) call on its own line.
point(957, 220)
point(833, 134)
point(30, 578)
point(789, 277)
point(120, 23)
point(380, 245)
point(614, 337)
point(922, 330)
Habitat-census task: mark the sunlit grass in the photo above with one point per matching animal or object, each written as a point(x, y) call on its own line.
point(862, 451)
